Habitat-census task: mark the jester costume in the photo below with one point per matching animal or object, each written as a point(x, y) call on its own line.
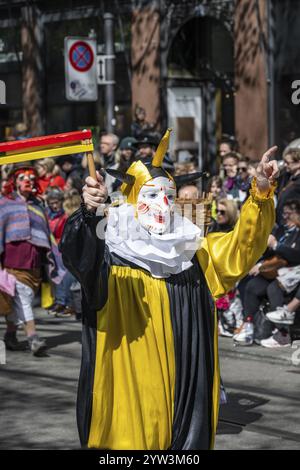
point(149, 376)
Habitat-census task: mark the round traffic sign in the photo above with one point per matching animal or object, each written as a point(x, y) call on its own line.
point(81, 56)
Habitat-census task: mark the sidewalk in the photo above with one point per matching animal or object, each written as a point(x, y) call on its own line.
point(289, 356)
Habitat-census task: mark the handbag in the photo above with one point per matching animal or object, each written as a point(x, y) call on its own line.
point(269, 267)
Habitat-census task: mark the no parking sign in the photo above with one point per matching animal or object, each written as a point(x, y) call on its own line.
point(81, 69)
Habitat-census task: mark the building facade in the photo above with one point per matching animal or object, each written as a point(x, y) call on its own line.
point(203, 67)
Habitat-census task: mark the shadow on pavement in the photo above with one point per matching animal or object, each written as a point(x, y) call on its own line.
point(237, 413)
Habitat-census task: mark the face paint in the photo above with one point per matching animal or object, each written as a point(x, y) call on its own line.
point(155, 204)
point(25, 182)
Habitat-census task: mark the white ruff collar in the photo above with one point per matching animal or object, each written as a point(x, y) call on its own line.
point(161, 255)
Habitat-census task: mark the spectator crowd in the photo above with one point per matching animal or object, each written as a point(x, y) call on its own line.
point(37, 199)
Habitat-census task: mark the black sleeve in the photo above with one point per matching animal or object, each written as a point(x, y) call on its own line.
point(84, 254)
point(291, 255)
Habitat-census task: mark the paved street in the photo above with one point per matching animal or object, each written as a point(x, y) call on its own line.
point(38, 394)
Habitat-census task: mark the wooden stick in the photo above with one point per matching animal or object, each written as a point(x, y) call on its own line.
point(91, 165)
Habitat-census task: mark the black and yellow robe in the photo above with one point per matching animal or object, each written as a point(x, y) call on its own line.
point(149, 376)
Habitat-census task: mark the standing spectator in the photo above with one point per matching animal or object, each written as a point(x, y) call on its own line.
point(70, 166)
point(46, 177)
point(243, 178)
point(108, 146)
point(230, 165)
point(140, 126)
point(74, 182)
point(128, 150)
point(20, 131)
point(215, 187)
point(98, 160)
point(228, 144)
point(67, 294)
point(146, 149)
point(55, 213)
point(292, 189)
point(188, 191)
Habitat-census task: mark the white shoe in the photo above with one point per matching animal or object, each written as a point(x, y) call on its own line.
point(276, 341)
point(282, 315)
point(245, 336)
point(222, 331)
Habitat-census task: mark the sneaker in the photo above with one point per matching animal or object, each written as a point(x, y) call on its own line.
point(279, 340)
point(37, 345)
point(282, 315)
point(222, 331)
point(66, 312)
point(12, 343)
point(56, 308)
point(245, 335)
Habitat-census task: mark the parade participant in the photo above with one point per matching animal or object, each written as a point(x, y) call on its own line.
point(149, 375)
point(24, 243)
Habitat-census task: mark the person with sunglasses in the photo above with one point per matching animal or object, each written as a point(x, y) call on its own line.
point(227, 214)
point(243, 178)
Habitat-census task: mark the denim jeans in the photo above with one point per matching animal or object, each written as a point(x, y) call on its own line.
point(63, 295)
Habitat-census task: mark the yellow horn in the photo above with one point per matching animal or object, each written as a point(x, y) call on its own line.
point(161, 149)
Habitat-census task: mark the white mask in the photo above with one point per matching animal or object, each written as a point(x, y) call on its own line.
point(155, 204)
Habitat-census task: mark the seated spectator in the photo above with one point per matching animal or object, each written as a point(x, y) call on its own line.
point(284, 242)
point(285, 313)
point(46, 177)
point(288, 302)
point(227, 214)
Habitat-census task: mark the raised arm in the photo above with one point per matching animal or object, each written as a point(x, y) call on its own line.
point(226, 258)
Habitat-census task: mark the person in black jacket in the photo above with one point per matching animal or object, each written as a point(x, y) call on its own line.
point(292, 189)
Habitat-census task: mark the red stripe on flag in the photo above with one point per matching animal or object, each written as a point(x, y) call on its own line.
point(54, 140)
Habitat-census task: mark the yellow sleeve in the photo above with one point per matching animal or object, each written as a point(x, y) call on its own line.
point(225, 258)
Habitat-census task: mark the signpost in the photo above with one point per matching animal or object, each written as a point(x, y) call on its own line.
point(81, 69)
